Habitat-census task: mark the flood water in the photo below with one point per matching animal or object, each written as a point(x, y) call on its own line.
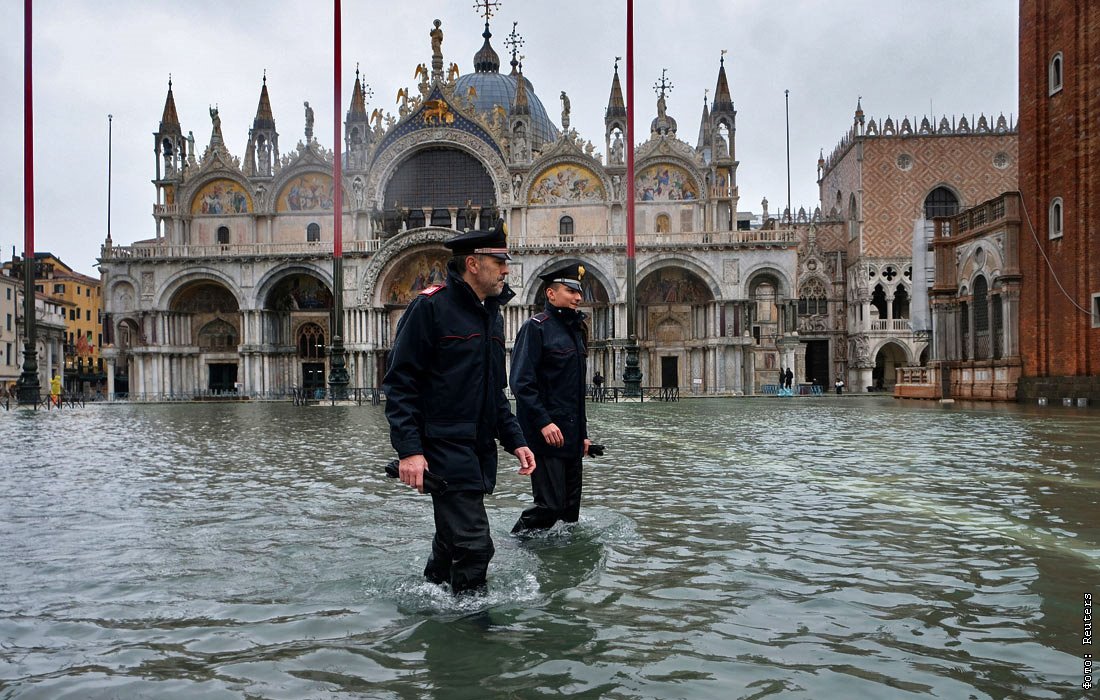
point(739, 548)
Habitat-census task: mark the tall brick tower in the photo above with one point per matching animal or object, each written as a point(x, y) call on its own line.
point(1060, 185)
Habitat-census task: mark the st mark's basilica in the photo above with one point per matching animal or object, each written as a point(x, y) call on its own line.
point(235, 291)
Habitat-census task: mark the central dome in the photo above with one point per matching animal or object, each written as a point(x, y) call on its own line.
point(497, 89)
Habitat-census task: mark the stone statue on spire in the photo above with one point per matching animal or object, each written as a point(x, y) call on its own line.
point(309, 122)
point(216, 133)
point(437, 51)
point(564, 111)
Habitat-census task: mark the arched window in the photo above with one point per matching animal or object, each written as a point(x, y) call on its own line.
point(1054, 221)
point(217, 335)
point(313, 233)
point(964, 330)
point(223, 235)
point(565, 229)
point(901, 302)
point(311, 342)
point(853, 218)
point(664, 223)
point(813, 300)
point(1055, 74)
point(940, 202)
point(878, 301)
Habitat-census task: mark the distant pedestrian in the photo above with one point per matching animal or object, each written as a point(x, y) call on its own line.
point(55, 390)
point(790, 377)
point(839, 384)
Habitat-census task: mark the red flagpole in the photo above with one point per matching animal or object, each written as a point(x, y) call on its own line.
point(632, 374)
point(28, 380)
point(337, 149)
point(338, 373)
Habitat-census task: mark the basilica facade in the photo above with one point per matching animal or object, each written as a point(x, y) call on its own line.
point(235, 291)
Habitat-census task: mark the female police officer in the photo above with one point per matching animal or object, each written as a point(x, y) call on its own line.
point(548, 371)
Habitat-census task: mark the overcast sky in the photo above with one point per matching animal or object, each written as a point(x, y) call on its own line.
point(98, 57)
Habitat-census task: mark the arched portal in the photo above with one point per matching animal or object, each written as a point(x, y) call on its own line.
point(298, 306)
point(211, 315)
point(889, 357)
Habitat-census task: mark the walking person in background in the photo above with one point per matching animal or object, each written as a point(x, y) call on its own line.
point(446, 406)
point(55, 390)
point(548, 368)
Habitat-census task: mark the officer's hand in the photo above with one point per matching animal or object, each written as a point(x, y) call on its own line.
point(526, 460)
point(411, 469)
point(552, 435)
point(587, 442)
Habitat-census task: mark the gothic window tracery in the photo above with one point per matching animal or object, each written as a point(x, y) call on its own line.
point(311, 342)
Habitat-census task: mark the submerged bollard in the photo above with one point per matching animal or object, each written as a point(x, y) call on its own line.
point(1082, 402)
point(1042, 401)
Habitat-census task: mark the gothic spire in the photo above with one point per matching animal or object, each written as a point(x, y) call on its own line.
point(357, 110)
point(264, 118)
point(704, 128)
point(169, 121)
point(520, 105)
point(723, 103)
point(615, 105)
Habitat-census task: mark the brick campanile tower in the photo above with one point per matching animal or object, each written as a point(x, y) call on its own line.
point(1060, 185)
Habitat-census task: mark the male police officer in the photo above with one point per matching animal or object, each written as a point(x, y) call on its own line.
point(446, 405)
point(548, 371)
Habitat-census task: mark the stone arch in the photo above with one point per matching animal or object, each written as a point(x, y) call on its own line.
point(220, 194)
point(936, 201)
point(534, 286)
point(306, 191)
point(400, 149)
point(673, 283)
point(298, 290)
point(666, 179)
point(273, 277)
point(658, 263)
point(202, 274)
point(392, 249)
point(410, 272)
point(784, 288)
point(581, 192)
point(202, 296)
point(888, 355)
point(122, 295)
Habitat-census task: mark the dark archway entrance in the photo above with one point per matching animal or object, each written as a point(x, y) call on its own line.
point(817, 362)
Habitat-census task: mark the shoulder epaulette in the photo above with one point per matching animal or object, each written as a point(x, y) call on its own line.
point(540, 317)
point(428, 291)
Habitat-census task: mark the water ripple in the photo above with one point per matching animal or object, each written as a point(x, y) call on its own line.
point(742, 548)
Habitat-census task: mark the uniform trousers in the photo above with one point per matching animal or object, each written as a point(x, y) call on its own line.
point(462, 547)
point(556, 483)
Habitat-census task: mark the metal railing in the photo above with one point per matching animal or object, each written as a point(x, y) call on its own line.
point(44, 401)
point(357, 395)
point(614, 394)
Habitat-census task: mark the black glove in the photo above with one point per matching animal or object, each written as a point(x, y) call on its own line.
point(595, 450)
point(432, 483)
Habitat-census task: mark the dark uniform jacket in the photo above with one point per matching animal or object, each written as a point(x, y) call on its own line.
point(445, 385)
point(548, 369)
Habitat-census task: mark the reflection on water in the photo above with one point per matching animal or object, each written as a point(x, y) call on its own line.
point(816, 548)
